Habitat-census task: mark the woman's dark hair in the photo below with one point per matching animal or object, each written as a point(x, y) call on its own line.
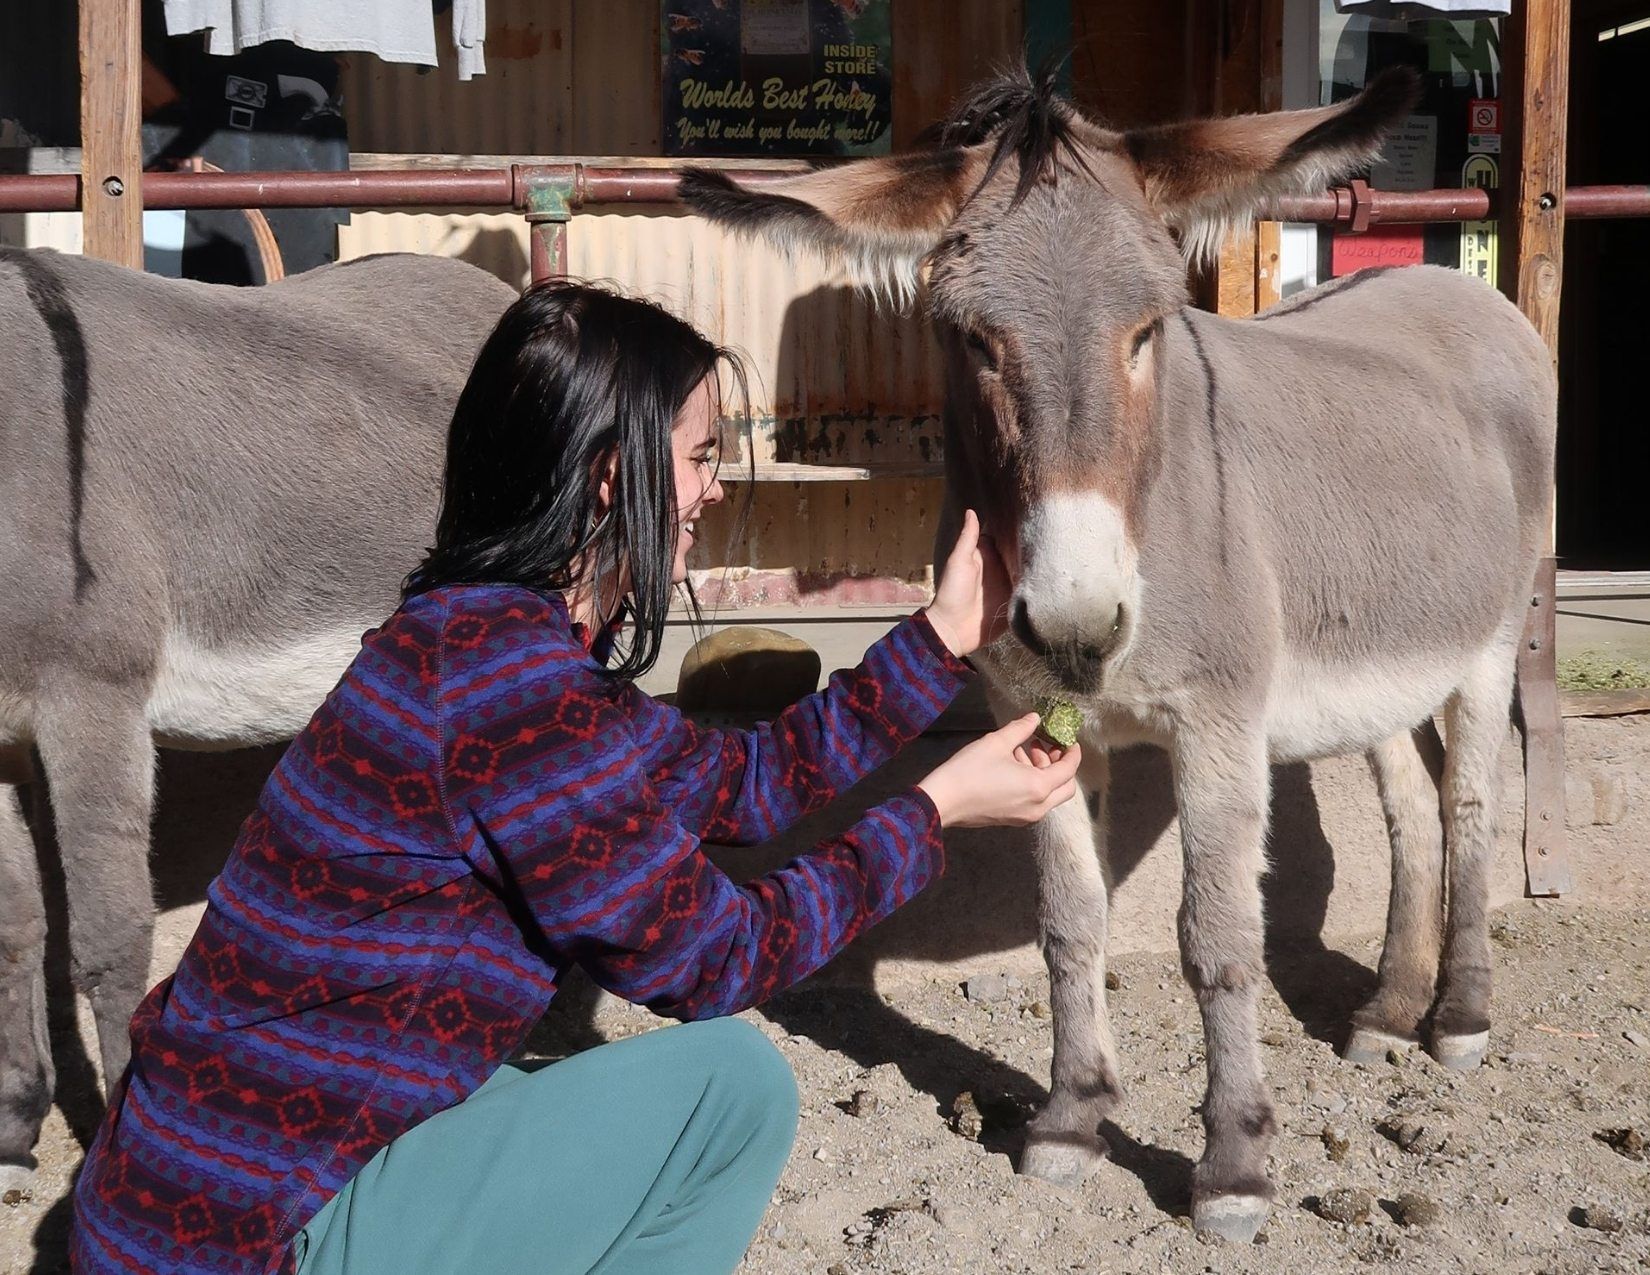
point(573, 375)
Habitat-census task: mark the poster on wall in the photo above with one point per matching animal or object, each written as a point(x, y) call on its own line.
point(776, 77)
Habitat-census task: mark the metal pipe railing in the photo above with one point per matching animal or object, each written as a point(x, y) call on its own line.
point(1355, 206)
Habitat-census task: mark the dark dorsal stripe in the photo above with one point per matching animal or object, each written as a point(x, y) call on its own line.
point(45, 293)
point(1211, 419)
point(1324, 291)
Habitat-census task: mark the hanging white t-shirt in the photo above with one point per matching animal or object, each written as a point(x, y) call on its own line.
point(1422, 10)
point(394, 30)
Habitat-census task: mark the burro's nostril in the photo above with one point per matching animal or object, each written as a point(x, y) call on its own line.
point(1101, 644)
point(1020, 624)
point(1077, 657)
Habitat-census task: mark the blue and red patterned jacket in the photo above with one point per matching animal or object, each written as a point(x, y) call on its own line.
point(475, 808)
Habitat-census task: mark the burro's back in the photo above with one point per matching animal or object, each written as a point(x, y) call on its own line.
point(233, 453)
point(1391, 421)
point(207, 494)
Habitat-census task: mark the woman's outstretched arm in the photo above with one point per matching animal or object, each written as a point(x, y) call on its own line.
point(550, 795)
point(745, 786)
point(738, 787)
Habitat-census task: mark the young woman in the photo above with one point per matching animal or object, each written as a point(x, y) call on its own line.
point(485, 800)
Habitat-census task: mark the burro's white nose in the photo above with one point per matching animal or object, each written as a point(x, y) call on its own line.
point(1078, 592)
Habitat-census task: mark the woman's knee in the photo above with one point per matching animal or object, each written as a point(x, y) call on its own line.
point(751, 1073)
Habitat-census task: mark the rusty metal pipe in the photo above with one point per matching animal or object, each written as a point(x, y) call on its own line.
point(1356, 205)
point(1352, 206)
point(1607, 201)
point(389, 188)
point(40, 192)
point(659, 185)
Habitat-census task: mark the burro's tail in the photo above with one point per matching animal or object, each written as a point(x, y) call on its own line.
point(46, 294)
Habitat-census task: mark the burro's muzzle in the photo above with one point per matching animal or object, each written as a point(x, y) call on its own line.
point(1077, 596)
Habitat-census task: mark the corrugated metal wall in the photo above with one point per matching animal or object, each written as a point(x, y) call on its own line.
point(834, 381)
point(537, 97)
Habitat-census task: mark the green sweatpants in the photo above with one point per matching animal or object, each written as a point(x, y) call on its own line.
point(657, 1153)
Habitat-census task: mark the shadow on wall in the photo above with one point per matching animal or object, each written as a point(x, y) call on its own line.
point(846, 383)
point(499, 252)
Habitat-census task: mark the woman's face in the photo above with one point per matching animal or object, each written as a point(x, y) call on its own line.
point(693, 444)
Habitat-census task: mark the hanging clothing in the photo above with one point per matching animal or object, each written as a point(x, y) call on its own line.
point(469, 35)
point(474, 808)
point(1425, 10)
point(394, 30)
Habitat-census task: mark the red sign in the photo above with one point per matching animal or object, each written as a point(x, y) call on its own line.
point(1378, 246)
point(1483, 115)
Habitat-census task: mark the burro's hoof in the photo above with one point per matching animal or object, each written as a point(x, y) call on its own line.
point(1371, 1045)
point(1460, 1053)
point(1235, 1218)
point(1065, 1159)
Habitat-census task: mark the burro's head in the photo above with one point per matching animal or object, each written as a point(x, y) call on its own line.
point(1053, 252)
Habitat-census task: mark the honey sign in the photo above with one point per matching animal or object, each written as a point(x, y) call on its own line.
point(776, 77)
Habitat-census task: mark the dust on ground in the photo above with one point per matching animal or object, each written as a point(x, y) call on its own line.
point(1536, 1163)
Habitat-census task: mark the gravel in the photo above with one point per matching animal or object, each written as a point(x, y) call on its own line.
point(1520, 1180)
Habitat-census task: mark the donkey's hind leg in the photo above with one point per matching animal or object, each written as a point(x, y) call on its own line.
point(1063, 1144)
point(26, 1078)
point(1477, 720)
point(1408, 770)
point(100, 761)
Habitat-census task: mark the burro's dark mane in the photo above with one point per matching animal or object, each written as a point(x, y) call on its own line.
point(1030, 120)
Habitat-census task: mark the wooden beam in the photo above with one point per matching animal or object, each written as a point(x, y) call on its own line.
point(1535, 96)
point(111, 77)
point(1546, 840)
point(1244, 51)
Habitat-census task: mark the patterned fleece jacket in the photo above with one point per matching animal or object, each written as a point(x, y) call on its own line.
point(474, 808)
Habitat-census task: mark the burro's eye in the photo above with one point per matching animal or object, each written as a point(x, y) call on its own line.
point(976, 345)
point(1141, 340)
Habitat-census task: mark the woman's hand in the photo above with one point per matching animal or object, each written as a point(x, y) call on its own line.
point(970, 606)
point(1003, 778)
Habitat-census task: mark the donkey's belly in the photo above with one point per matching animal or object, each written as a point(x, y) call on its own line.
point(227, 697)
point(1316, 709)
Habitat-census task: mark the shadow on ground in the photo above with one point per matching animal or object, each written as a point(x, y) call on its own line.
point(984, 907)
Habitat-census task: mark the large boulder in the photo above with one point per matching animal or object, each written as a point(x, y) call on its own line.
point(746, 669)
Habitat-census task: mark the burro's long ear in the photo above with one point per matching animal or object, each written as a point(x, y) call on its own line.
point(878, 217)
point(1207, 176)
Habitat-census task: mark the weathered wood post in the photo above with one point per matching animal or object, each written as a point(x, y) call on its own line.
point(110, 114)
point(1535, 97)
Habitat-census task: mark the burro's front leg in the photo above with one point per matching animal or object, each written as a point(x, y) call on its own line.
point(1222, 785)
point(1063, 1144)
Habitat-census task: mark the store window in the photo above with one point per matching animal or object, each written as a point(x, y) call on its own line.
point(1452, 139)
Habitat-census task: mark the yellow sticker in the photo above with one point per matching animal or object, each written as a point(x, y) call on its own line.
point(1478, 238)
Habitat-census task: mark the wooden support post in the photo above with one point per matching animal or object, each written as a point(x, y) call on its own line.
point(111, 76)
point(1535, 99)
point(1546, 847)
point(1240, 45)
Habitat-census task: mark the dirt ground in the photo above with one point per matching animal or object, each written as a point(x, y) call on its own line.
point(1508, 1158)
point(1512, 1166)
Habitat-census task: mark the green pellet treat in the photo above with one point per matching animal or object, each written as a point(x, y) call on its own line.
point(1060, 721)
